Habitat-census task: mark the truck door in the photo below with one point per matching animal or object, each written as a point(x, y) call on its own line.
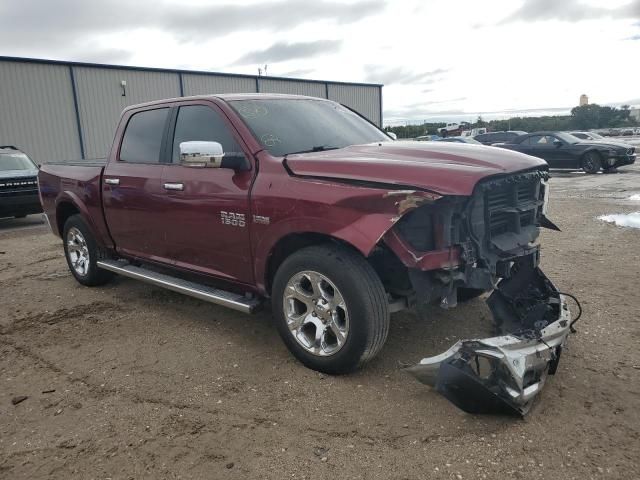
point(207, 209)
point(132, 193)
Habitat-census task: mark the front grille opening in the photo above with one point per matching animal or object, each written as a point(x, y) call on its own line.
point(526, 192)
point(513, 202)
point(501, 223)
point(527, 218)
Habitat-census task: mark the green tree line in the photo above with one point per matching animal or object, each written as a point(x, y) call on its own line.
point(585, 117)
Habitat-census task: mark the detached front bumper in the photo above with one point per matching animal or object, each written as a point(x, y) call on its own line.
point(501, 374)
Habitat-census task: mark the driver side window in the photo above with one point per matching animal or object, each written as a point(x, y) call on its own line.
point(202, 123)
point(541, 140)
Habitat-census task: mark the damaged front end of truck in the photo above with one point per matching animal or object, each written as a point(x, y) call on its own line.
point(455, 246)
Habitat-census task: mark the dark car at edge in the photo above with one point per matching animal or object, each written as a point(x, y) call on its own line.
point(563, 150)
point(18, 184)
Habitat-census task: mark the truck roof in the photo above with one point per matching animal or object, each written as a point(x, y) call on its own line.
point(226, 97)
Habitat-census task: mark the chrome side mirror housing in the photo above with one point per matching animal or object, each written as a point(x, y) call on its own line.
point(392, 135)
point(201, 154)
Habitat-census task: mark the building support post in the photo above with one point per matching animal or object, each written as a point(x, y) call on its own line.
point(77, 110)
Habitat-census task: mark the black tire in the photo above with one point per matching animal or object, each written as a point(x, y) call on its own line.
point(591, 162)
point(364, 296)
point(94, 276)
point(466, 294)
point(443, 134)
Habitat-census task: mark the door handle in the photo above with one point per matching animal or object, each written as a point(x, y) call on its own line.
point(174, 186)
point(112, 181)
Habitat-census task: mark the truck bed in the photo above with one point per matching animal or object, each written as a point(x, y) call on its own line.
point(78, 181)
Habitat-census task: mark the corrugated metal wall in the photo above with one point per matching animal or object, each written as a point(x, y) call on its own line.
point(291, 87)
point(364, 99)
point(37, 112)
point(100, 100)
point(38, 108)
point(200, 84)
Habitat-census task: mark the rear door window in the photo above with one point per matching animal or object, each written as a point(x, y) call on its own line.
point(142, 139)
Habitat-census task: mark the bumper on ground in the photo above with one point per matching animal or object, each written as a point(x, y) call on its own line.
point(505, 373)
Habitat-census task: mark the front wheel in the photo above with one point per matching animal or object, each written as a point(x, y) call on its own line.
point(591, 162)
point(330, 308)
point(82, 253)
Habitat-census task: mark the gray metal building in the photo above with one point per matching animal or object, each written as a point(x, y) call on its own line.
point(59, 111)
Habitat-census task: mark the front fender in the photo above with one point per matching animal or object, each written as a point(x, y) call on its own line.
point(359, 217)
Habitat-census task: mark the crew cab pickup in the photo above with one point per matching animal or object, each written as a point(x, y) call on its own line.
point(237, 199)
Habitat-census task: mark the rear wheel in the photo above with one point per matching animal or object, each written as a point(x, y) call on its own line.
point(82, 253)
point(330, 307)
point(591, 162)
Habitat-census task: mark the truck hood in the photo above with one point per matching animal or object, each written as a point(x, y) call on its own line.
point(444, 168)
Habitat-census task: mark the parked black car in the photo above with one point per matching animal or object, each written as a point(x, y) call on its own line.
point(562, 150)
point(18, 184)
point(490, 138)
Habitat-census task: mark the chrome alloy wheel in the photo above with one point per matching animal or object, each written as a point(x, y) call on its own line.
point(316, 313)
point(78, 251)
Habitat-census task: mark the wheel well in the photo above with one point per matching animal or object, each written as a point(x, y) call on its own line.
point(292, 243)
point(63, 212)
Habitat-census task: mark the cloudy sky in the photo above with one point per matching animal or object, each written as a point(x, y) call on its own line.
point(438, 59)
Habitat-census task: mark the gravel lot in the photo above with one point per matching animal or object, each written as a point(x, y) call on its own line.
point(144, 383)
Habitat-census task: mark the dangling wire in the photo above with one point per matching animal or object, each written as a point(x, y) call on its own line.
point(573, 330)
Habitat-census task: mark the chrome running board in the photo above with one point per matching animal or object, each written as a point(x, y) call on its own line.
point(208, 294)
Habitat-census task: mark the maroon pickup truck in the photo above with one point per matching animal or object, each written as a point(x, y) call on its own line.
point(240, 199)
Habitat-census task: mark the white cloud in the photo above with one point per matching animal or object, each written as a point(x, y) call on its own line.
point(437, 59)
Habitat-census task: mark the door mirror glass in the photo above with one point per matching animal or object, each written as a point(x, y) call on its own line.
point(201, 154)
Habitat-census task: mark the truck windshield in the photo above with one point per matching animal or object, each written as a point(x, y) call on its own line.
point(285, 126)
point(15, 161)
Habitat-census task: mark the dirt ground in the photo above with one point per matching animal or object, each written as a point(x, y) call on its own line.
point(145, 383)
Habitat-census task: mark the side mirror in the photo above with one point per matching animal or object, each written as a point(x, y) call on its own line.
point(201, 154)
point(392, 135)
point(557, 143)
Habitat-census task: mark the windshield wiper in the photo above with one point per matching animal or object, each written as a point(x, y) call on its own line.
point(319, 148)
